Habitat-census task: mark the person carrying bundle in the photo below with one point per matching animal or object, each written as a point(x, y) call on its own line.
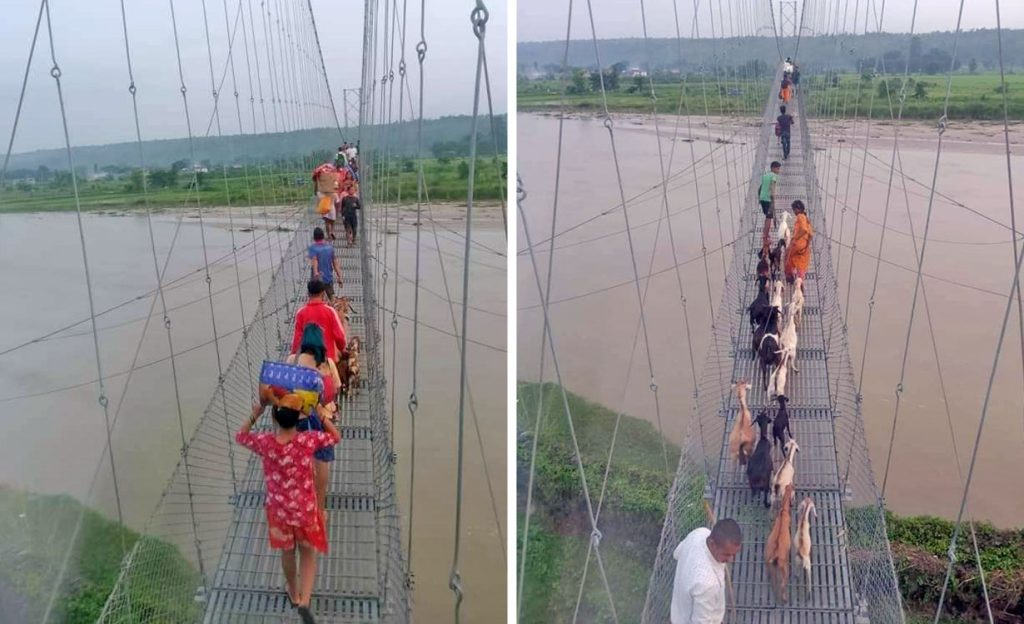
point(325, 177)
point(786, 92)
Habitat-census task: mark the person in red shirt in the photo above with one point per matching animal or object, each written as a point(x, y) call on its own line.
point(317, 311)
point(293, 520)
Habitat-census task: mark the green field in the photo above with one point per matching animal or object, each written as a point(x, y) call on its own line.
point(634, 510)
point(732, 97)
point(972, 96)
point(446, 180)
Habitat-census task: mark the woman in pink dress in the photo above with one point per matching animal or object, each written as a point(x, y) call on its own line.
point(293, 519)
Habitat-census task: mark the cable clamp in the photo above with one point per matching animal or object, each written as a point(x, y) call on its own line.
point(131, 88)
point(55, 72)
point(455, 584)
point(421, 50)
point(479, 17)
point(103, 401)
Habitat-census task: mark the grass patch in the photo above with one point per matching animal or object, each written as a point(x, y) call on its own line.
point(35, 533)
point(554, 569)
point(631, 517)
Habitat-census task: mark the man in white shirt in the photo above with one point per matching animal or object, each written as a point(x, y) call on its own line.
point(698, 591)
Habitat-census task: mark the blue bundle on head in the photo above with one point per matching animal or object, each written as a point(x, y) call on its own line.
point(289, 378)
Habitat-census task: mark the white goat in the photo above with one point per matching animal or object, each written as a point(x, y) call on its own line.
point(777, 288)
point(798, 299)
point(803, 539)
point(784, 233)
point(788, 339)
point(787, 349)
point(784, 475)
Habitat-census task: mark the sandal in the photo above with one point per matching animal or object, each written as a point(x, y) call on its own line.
point(306, 615)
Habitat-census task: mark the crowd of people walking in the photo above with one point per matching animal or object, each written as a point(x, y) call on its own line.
point(304, 393)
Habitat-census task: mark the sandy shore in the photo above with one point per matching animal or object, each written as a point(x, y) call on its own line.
point(965, 136)
point(485, 214)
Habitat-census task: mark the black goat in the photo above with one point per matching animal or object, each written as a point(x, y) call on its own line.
point(768, 347)
point(759, 308)
point(764, 264)
point(760, 466)
point(781, 426)
point(775, 258)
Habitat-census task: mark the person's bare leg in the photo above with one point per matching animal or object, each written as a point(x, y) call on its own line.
point(321, 474)
point(307, 573)
point(291, 582)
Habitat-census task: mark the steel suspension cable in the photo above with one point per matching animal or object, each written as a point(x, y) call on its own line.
point(545, 295)
point(21, 96)
point(1009, 175)
point(920, 264)
point(55, 72)
point(413, 402)
point(595, 535)
point(479, 18)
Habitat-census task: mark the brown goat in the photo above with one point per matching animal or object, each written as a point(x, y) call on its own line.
point(343, 307)
point(741, 438)
point(777, 550)
point(348, 368)
point(803, 539)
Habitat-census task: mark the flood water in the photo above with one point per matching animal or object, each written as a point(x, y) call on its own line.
point(54, 434)
point(594, 311)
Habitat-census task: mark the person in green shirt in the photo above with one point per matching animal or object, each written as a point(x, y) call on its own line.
point(340, 160)
point(766, 195)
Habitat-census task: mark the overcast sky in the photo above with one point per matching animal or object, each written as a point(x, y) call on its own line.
point(91, 52)
point(543, 20)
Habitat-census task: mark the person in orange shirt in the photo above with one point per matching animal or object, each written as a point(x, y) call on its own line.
point(786, 93)
point(798, 255)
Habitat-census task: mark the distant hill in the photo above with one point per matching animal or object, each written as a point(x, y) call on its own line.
point(538, 58)
point(238, 149)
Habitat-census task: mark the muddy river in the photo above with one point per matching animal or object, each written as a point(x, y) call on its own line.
point(968, 264)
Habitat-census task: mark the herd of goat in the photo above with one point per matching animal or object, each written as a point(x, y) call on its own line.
point(776, 349)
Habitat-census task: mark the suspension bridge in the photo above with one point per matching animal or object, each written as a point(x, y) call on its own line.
point(853, 575)
point(820, 394)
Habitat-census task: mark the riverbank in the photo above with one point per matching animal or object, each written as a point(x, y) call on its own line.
point(35, 537)
point(973, 136)
point(486, 213)
point(634, 509)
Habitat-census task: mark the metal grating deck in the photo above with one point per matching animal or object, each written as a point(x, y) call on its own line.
point(248, 584)
point(811, 422)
